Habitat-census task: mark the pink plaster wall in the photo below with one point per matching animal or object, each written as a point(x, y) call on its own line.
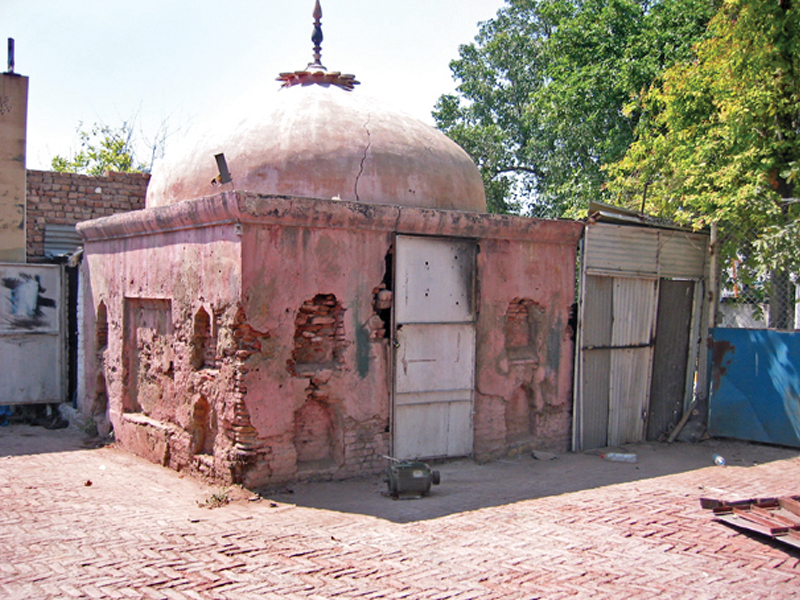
point(283, 267)
point(532, 384)
point(185, 270)
point(267, 271)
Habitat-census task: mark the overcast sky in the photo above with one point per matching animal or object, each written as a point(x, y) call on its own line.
point(172, 61)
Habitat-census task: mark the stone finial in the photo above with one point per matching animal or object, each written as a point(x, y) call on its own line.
point(314, 71)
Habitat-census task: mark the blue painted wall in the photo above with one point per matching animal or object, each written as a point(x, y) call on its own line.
point(755, 385)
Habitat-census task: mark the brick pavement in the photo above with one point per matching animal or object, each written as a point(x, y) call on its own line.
point(137, 532)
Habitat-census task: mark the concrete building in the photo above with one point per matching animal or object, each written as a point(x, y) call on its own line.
point(318, 287)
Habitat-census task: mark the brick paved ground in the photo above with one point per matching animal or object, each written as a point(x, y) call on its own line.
point(137, 532)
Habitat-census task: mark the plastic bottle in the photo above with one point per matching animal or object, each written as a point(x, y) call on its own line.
point(719, 460)
point(620, 457)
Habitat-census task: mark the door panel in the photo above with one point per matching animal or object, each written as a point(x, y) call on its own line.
point(631, 357)
point(32, 334)
point(435, 357)
point(673, 330)
point(434, 280)
point(596, 364)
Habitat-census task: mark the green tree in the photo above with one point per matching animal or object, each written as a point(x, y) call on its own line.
point(102, 148)
point(539, 105)
point(721, 142)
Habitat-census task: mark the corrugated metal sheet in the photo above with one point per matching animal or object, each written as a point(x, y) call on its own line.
point(60, 240)
point(620, 249)
point(595, 366)
point(755, 385)
point(682, 254)
point(633, 325)
point(634, 311)
point(640, 251)
point(622, 266)
point(628, 394)
point(672, 356)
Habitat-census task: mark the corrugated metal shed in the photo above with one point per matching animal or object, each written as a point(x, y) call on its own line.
point(624, 262)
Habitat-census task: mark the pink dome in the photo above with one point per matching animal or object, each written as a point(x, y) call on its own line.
point(323, 141)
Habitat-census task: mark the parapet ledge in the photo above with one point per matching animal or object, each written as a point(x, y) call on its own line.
point(289, 211)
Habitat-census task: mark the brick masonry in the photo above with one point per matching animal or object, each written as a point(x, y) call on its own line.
point(69, 198)
point(105, 524)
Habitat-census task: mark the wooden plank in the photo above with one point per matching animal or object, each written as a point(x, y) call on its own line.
point(779, 519)
point(769, 524)
point(790, 504)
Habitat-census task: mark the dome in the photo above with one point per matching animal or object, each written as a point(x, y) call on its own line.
point(321, 140)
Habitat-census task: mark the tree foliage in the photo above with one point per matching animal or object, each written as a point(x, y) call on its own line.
point(102, 148)
point(539, 105)
point(721, 138)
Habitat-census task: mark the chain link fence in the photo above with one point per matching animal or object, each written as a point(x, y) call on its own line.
point(754, 293)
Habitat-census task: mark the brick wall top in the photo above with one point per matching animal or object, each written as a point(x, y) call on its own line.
point(70, 198)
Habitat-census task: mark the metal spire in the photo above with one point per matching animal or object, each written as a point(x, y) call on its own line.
point(317, 36)
point(315, 72)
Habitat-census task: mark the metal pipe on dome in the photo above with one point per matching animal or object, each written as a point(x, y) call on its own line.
point(10, 56)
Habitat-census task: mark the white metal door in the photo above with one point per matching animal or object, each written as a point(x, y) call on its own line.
point(435, 347)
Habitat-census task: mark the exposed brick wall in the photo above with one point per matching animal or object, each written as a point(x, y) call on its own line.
point(69, 198)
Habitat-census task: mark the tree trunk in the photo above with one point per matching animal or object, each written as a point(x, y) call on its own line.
point(781, 301)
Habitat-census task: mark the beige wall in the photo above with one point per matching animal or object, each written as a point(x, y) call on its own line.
point(13, 117)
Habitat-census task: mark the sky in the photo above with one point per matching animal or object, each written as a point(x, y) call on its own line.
point(166, 64)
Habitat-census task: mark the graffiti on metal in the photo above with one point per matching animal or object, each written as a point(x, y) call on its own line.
point(24, 302)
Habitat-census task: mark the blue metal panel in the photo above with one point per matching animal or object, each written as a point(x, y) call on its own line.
point(755, 385)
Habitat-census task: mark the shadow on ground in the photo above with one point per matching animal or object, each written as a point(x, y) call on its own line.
point(467, 485)
point(21, 440)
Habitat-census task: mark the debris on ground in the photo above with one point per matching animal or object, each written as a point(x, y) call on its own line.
point(777, 518)
point(216, 499)
point(541, 455)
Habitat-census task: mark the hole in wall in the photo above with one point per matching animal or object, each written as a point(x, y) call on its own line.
point(383, 295)
point(101, 325)
point(147, 352)
point(522, 329)
point(313, 435)
point(319, 342)
point(203, 347)
point(204, 427)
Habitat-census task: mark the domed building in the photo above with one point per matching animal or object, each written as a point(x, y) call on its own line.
point(316, 286)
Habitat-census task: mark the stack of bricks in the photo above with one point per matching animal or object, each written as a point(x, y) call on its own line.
point(69, 198)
